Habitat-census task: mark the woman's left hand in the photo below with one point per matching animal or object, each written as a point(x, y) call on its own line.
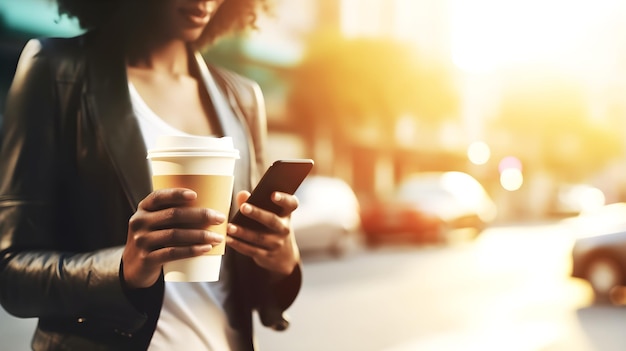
point(276, 250)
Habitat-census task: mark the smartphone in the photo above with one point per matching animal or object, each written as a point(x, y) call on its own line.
point(284, 176)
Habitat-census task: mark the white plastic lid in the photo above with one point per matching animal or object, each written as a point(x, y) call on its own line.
point(193, 146)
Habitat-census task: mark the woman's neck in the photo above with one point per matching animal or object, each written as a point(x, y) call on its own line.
point(171, 58)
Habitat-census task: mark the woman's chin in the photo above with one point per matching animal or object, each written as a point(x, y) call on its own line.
point(191, 36)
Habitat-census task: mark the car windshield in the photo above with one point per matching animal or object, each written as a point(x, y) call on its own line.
point(422, 191)
point(451, 187)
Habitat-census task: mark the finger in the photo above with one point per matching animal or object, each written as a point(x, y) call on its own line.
point(242, 197)
point(177, 237)
point(272, 221)
point(288, 202)
point(173, 253)
point(164, 198)
point(267, 241)
point(246, 248)
point(185, 217)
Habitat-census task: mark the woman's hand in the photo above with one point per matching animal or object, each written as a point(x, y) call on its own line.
point(166, 228)
point(276, 250)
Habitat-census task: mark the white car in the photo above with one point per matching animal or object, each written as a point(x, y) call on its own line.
point(327, 217)
point(599, 251)
point(432, 207)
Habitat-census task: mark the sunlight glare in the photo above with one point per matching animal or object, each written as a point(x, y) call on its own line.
point(489, 34)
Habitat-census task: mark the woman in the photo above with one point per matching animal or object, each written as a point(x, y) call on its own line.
point(82, 235)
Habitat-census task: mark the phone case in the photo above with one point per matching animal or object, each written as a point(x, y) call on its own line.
point(283, 176)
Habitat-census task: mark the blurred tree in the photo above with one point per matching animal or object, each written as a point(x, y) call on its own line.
point(548, 122)
point(228, 53)
point(347, 86)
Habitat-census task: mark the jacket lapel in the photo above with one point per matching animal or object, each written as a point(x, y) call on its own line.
point(107, 100)
point(231, 126)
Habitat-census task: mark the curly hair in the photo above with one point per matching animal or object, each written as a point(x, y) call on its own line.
point(233, 15)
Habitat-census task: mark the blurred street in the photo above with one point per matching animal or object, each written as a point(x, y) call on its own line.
point(508, 290)
point(377, 92)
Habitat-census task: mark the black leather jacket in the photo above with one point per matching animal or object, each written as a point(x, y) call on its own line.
point(73, 169)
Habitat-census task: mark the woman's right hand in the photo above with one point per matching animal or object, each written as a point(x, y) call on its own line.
point(166, 227)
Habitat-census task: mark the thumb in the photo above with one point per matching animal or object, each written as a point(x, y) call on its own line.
point(241, 197)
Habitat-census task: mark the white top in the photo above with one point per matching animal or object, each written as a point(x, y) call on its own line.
point(151, 125)
point(192, 317)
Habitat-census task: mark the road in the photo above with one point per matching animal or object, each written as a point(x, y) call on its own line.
point(508, 290)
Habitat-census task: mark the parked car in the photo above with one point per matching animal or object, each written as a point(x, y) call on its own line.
point(573, 199)
point(430, 207)
point(327, 217)
point(599, 251)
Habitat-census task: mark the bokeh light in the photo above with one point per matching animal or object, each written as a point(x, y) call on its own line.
point(478, 153)
point(588, 198)
point(511, 179)
point(510, 162)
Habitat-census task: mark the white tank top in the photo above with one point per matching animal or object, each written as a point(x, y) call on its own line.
point(192, 317)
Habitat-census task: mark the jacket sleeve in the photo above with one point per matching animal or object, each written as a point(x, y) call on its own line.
point(37, 277)
point(279, 294)
point(272, 297)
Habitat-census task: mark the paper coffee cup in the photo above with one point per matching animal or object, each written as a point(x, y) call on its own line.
point(205, 165)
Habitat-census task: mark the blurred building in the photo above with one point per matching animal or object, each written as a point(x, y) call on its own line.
point(423, 25)
point(486, 40)
point(359, 158)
